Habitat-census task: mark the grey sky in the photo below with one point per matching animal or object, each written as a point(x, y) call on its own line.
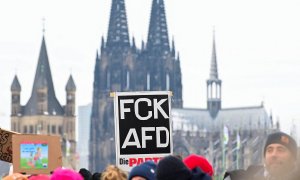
point(258, 48)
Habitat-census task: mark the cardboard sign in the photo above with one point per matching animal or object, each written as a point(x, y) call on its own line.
point(6, 145)
point(142, 127)
point(36, 154)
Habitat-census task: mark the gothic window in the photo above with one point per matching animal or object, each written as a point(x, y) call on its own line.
point(31, 129)
point(60, 130)
point(167, 81)
point(108, 80)
point(148, 81)
point(48, 129)
point(41, 96)
point(213, 86)
point(15, 99)
point(14, 126)
point(53, 129)
point(69, 98)
point(25, 129)
point(127, 80)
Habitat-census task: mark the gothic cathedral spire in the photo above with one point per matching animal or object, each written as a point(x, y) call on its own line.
point(158, 38)
point(214, 84)
point(118, 29)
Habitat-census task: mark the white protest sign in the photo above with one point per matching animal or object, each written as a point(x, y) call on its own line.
point(142, 127)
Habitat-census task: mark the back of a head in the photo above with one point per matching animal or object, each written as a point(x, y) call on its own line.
point(39, 177)
point(87, 175)
point(14, 176)
point(172, 168)
point(65, 174)
point(113, 173)
point(146, 170)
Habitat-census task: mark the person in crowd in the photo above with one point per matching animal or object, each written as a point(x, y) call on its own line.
point(172, 168)
point(144, 171)
point(65, 174)
point(39, 177)
point(15, 176)
point(192, 161)
point(96, 176)
point(86, 174)
point(280, 156)
point(113, 173)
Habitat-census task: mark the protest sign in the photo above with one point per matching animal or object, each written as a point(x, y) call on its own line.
point(142, 127)
point(6, 145)
point(36, 154)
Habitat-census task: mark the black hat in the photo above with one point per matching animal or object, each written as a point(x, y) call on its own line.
point(283, 139)
point(171, 168)
point(87, 175)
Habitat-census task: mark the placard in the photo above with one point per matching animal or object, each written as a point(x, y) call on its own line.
point(6, 145)
point(142, 127)
point(36, 154)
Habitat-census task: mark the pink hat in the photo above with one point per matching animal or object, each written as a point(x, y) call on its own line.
point(192, 161)
point(65, 174)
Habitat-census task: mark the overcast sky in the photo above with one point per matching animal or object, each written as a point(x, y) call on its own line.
point(257, 41)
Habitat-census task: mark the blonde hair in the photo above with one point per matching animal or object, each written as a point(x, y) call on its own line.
point(113, 173)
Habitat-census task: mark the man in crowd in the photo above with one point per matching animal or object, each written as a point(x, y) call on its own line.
point(280, 157)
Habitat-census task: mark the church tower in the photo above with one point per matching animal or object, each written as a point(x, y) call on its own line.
point(43, 114)
point(15, 97)
point(214, 85)
point(122, 66)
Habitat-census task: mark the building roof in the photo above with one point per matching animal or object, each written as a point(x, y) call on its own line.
point(43, 79)
point(241, 118)
point(70, 84)
point(15, 86)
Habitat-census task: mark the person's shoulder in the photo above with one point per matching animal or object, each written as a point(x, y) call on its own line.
point(252, 172)
point(235, 174)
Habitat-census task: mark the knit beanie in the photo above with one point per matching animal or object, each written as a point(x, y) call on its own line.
point(65, 174)
point(171, 168)
point(283, 139)
point(96, 176)
point(146, 170)
point(87, 175)
point(192, 161)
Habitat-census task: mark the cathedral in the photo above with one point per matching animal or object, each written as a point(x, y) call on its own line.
point(121, 66)
point(43, 114)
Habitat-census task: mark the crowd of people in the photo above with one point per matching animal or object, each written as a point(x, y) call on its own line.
point(279, 163)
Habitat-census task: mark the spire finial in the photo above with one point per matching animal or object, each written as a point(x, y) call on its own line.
point(43, 21)
point(213, 66)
